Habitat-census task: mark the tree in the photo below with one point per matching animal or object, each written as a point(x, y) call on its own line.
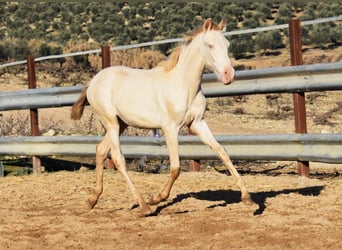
point(240, 45)
point(285, 10)
point(5, 52)
point(268, 40)
point(284, 13)
point(251, 20)
point(264, 10)
point(320, 35)
point(336, 34)
point(20, 50)
point(44, 49)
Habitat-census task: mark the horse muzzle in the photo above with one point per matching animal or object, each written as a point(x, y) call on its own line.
point(228, 75)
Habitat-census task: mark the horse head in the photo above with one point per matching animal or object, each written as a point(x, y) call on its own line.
point(215, 50)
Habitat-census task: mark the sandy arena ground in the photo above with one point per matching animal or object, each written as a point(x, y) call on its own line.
point(203, 212)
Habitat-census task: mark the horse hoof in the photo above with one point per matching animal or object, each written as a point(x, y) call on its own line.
point(248, 201)
point(91, 202)
point(153, 201)
point(146, 211)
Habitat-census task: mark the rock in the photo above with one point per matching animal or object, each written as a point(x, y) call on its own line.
point(83, 169)
point(50, 132)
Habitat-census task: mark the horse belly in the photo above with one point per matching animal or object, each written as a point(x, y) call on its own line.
point(140, 119)
point(138, 110)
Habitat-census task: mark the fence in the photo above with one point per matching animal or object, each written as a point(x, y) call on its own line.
point(290, 79)
point(301, 147)
point(293, 147)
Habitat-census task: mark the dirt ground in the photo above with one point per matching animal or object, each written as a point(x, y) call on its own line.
point(203, 212)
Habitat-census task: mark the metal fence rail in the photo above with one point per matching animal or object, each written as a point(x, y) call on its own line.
point(303, 78)
point(302, 147)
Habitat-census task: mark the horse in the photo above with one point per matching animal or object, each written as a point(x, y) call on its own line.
point(166, 97)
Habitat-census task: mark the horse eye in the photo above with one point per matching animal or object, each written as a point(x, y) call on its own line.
point(210, 46)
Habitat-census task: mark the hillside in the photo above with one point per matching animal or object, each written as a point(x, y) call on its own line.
point(53, 28)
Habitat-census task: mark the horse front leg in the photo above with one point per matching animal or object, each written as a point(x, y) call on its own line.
point(171, 137)
point(201, 129)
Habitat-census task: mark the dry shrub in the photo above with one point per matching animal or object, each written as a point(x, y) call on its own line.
point(272, 99)
point(223, 101)
point(240, 98)
point(85, 65)
point(14, 125)
point(320, 57)
point(73, 61)
point(282, 113)
point(324, 118)
point(88, 126)
point(34, 44)
point(135, 58)
point(314, 97)
point(239, 111)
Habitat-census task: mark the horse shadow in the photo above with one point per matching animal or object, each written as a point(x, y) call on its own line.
point(227, 197)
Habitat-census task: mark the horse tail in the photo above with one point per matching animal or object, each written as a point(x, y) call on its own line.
point(78, 107)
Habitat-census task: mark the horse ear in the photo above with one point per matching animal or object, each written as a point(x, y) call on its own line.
point(208, 23)
point(222, 25)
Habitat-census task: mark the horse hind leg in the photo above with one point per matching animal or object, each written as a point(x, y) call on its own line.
point(120, 164)
point(102, 150)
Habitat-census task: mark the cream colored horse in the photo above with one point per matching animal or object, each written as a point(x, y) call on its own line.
point(168, 97)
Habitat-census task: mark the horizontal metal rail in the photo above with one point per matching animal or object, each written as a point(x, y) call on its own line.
point(293, 147)
point(305, 78)
point(290, 79)
point(39, 98)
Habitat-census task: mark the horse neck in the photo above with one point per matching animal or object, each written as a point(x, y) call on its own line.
point(191, 65)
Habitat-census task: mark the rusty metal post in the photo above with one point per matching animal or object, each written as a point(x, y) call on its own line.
point(298, 98)
point(195, 165)
point(105, 51)
point(105, 55)
point(32, 84)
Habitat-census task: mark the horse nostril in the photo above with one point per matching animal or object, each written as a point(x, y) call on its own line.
point(229, 72)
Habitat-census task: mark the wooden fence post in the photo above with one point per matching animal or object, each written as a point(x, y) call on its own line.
point(32, 84)
point(105, 54)
point(298, 98)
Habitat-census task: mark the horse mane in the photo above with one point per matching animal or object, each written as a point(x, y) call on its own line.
point(171, 62)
